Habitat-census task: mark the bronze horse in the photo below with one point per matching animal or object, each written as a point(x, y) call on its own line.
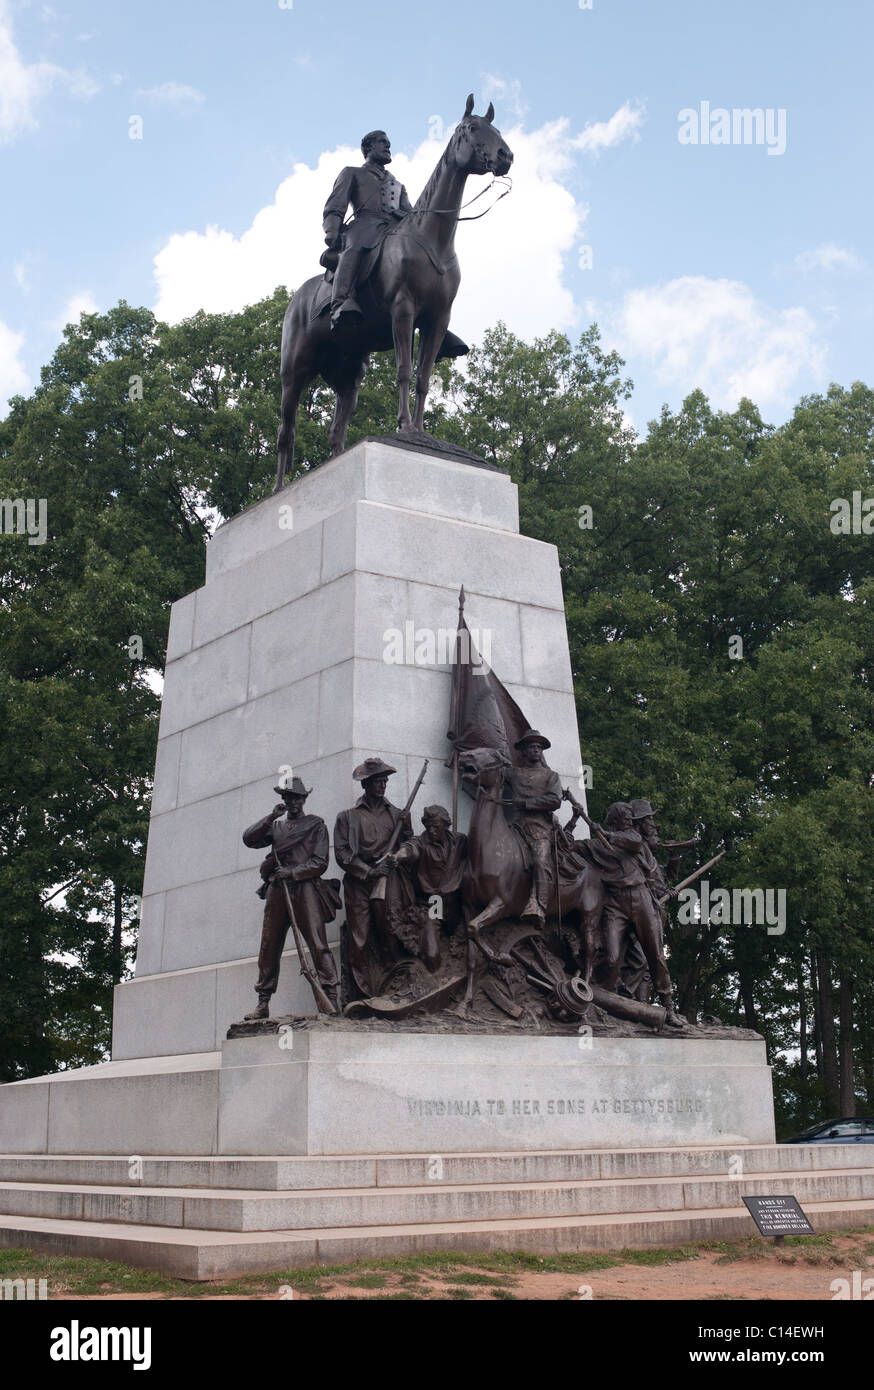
point(412, 286)
point(497, 882)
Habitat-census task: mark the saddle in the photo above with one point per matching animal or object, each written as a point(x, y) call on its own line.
point(330, 259)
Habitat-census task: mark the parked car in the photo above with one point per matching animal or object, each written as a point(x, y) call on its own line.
point(859, 1130)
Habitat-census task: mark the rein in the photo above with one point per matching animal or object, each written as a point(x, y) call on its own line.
point(496, 178)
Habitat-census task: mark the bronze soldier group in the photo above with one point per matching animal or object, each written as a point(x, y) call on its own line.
point(592, 925)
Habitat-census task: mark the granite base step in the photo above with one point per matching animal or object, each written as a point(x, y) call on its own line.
point(201, 1255)
point(326, 1208)
point(213, 1217)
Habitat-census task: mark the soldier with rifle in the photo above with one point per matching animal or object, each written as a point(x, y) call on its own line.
point(295, 896)
point(625, 864)
point(635, 977)
point(364, 837)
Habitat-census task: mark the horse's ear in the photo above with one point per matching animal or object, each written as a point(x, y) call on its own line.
point(490, 114)
point(469, 107)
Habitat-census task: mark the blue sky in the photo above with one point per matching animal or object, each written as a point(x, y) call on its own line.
point(723, 266)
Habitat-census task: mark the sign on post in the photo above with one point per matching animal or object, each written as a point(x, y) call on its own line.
point(778, 1216)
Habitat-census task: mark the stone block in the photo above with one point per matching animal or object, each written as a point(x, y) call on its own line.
point(286, 571)
point(150, 939)
point(166, 785)
point(195, 842)
point(180, 635)
point(341, 1091)
point(207, 681)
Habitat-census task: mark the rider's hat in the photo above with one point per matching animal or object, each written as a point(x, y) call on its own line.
point(533, 736)
point(641, 808)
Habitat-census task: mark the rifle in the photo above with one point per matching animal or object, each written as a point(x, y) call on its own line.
point(568, 795)
point(378, 891)
point(323, 1003)
point(691, 879)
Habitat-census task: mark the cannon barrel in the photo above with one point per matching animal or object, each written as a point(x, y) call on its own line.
point(653, 1015)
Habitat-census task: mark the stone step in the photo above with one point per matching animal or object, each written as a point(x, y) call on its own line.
point(194, 1254)
point(254, 1210)
point(293, 1174)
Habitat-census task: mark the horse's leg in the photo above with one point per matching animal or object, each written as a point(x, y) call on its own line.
point(495, 911)
point(429, 345)
point(402, 331)
point(347, 399)
point(293, 387)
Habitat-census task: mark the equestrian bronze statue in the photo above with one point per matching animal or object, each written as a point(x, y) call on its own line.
point(394, 271)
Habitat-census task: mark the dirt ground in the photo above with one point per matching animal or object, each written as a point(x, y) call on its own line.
point(746, 1270)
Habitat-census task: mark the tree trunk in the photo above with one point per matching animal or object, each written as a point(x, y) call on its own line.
point(802, 1023)
point(867, 1049)
point(116, 932)
point(848, 1083)
point(825, 1009)
point(817, 1036)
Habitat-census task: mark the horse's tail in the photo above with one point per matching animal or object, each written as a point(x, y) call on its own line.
point(297, 316)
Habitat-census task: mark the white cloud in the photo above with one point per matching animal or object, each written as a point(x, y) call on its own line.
point(23, 84)
point(19, 271)
point(828, 256)
point(176, 94)
point(505, 95)
point(524, 242)
point(624, 124)
point(715, 334)
point(13, 377)
point(78, 304)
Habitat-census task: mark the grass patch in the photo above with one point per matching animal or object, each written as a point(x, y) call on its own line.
point(487, 1280)
point(70, 1276)
point(368, 1280)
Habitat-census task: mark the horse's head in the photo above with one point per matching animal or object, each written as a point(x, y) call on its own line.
point(486, 766)
point(478, 145)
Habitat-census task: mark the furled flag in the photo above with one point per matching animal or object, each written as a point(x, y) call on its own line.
point(482, 713)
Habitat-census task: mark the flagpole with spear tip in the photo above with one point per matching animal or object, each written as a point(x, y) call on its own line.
point(455, 678)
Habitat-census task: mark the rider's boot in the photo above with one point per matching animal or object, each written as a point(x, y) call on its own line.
point(452, 346)
point(344, 308)
point(533, 913)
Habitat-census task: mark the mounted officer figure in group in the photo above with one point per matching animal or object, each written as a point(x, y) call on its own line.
point(390, 271)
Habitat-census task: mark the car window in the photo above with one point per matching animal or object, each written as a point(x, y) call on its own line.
point(868, 1126)
point(846, 1128)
